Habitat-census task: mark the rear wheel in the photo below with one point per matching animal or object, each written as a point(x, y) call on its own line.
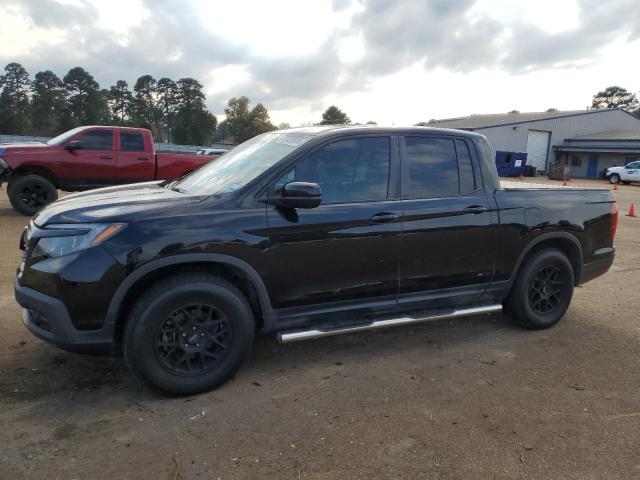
point(614, 178)
point(543, 289)
point(31, 193)
point(188, 334)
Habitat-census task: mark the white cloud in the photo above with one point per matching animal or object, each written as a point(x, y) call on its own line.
point(392, 62)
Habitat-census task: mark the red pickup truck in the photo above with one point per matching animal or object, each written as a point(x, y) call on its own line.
point(85, 158)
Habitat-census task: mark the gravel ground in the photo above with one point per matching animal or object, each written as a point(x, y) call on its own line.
point(464, 399)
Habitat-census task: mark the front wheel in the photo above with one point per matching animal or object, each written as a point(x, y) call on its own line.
point(614, 178)
point(31, 193)
point(188, 334)
point(542, 291)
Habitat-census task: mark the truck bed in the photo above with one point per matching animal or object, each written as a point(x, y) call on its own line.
point(527, 186)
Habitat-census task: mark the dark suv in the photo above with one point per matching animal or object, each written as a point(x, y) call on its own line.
point(305, 232)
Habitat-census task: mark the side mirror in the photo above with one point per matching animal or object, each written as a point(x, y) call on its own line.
point(300, 195)
point(73, 145)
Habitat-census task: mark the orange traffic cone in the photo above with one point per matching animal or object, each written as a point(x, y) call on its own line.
point(632, 211)
point(615, 186)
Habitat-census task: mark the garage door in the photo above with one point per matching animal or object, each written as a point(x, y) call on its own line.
point(537, 146)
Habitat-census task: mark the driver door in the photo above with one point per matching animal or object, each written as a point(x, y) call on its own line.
point(94, 163)
point(345, 251)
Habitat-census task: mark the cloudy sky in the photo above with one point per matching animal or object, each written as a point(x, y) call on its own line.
point(394, 62)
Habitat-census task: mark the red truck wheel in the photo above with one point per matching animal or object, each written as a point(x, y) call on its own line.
point(31, 193)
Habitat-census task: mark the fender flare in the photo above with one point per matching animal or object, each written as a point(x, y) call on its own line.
point(115, 305)
point(543, 238)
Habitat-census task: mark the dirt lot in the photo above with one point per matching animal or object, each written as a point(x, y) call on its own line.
point(471, 398)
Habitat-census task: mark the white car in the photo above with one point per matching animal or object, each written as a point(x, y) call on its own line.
point(628, 173)
point(215, 152)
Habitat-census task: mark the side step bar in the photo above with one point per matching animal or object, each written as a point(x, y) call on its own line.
point(297, 335)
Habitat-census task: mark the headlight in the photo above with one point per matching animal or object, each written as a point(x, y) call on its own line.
point(62, 239)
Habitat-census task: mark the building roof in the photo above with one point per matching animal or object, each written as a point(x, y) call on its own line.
point(608, 135)
point(492, 120)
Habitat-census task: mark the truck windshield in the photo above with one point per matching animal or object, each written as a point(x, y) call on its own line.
point(239, 166)
point(63, 136)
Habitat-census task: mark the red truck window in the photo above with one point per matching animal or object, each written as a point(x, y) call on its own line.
point(97, 140)
point(131, 142)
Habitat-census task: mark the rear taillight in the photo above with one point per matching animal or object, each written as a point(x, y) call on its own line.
point(614, 220)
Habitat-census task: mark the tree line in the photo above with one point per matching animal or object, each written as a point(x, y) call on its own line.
point(174, 111)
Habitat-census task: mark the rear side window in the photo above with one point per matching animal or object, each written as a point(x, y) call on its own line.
point(465, 168)
point(348, 171)
point(432, 168)
point(97, 140)
point(131, 142)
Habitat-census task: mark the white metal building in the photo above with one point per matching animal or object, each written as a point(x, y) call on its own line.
point(541, 134)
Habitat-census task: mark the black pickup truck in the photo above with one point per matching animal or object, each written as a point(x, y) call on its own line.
point(305, 233)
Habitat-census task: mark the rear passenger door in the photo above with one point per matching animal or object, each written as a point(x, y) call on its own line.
point(448, 243)
point(136, 162)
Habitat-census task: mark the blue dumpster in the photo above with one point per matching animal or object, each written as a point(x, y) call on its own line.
point(511, 164)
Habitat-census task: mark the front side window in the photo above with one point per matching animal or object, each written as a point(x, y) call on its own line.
point(131, 142)
point(432, 168)
point(348, 171)
point(97, 140)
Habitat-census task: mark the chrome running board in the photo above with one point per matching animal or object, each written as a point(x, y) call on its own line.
point(297, 335)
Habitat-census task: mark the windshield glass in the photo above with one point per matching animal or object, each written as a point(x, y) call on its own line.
point(63, 136)
point(238, 167)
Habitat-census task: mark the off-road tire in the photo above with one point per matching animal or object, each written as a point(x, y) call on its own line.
point(545, 280)
point(31, 193)
point(147, 345)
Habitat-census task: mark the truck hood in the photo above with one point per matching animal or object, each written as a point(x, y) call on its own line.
point(112, 204)
point(16, 147)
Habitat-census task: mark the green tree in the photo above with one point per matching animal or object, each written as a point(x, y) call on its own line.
point(245, 123)
point(14, 100)
point(120, 101)
point(193, 123)
point(334, 116)
point(167, 101)
point(84, 101)
point(47, 103)
point(100, 109)
point(144, 110)
point(615, 97)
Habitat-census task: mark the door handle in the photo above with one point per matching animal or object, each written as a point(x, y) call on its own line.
point(475, 209)
point(143, 158)
point(106, 157)
point(384, 217)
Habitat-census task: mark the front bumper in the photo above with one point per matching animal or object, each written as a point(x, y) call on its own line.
point(48, 319)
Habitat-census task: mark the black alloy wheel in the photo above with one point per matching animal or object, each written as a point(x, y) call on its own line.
point(547, 290)
point(193, 340)
point(31, 193)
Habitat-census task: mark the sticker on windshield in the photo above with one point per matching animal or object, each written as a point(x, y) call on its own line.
point(233, 187)
point(291, 139)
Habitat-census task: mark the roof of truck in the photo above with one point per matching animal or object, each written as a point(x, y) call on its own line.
point(321, 130)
